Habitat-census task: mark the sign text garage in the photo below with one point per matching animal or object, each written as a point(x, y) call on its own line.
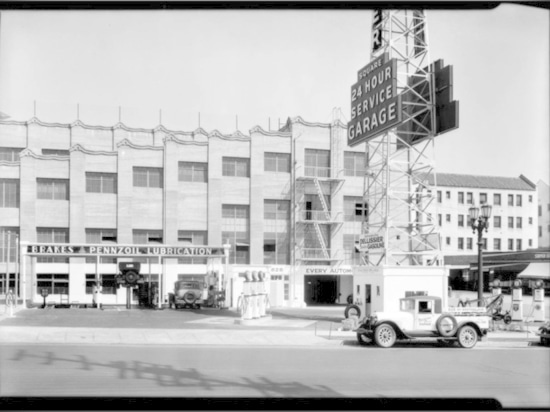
point(375, 105)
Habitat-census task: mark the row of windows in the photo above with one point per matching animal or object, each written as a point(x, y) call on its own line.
point(483, 198)
point(497, 243)
point(462, 221)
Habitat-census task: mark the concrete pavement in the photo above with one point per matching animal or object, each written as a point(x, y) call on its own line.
point(279, 330)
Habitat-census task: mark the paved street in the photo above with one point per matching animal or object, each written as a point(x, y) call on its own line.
point(516, 378)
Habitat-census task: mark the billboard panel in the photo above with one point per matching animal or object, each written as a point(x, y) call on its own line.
point(375, 105)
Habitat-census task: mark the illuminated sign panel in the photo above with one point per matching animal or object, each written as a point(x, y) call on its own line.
point(375, 105)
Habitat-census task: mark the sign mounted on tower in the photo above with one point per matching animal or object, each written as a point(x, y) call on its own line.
point(375, 105)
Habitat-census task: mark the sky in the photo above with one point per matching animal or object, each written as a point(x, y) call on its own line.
point(235, 69)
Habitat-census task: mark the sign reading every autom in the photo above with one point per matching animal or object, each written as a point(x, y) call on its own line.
point(375, 105)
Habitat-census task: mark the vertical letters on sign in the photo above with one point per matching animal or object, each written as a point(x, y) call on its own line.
point(377, 30)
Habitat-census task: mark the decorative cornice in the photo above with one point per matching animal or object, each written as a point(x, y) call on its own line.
point(172, 138)
point(78, 123)
point(276, 133)
point(36, 120)
point(235, 136)
point(200, 130)
point(299, 120)
point(78, 148)
point(128, 143)
point(30, 153)
point(6, 163)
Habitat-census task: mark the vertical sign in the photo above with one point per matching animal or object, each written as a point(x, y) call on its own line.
point(377, 31)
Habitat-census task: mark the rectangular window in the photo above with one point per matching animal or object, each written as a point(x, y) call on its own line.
point(461, 220)
point(518, 222)
point(540, 231)
point(236, 166)
point(461, 243)
point(107, 281)
point(53, 189)
point(99, 236)
point(448, 241)
point(518, 200)
point(146, 236)
point(9, 192)
point(192, 237)
point(9, 154)
point(469, 243)
point(461, 197)
point(496, 244)
point(11, 242)
point(276, 248)
point(55, 152)
point(101, 182)
point(510, 200)
point(510, 222)
point(518, 244)
point(193, 172)
point(277, 209)
point(353, 208)
point(236, 232)
point(448, 218)
point(530, 198)
point(482, 198)
point(530, 242)
point(55, 284)
point(354, 164)
point(277, 162)
point(317, 163)
point(496, 221)
point(530, 220)
point(439, 219)
point(510, 244)
point(448, 195)
point(540, 210)
point(439, 196)
point(496, 199)
point(469, 198)
point(148, 177)
point(52, 235)
point(484, 243)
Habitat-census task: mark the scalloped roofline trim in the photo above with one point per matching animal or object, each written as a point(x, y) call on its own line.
point(30, 153)
point(235, 136)
point(78, 148)
point(128, 143)
point(299, 120)
point(172, 138)
point(277, 133)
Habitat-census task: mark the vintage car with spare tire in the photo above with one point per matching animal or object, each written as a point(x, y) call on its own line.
point(422, 317)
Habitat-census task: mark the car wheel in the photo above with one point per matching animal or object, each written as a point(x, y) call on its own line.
point(446, 325)
point(352, 310)
point(363, 339)
point(384, 335)
point(189, 298)
point(467, 337)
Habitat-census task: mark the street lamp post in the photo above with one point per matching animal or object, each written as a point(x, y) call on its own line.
point(479, 222)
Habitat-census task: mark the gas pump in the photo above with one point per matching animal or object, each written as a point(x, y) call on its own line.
point(538, 302)
point(517, 300)
point(497, 290)
point(247, 292)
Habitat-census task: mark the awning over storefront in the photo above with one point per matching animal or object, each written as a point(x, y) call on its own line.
point(536, 270)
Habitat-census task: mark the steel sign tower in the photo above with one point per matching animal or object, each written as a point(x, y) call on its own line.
point(400, 102)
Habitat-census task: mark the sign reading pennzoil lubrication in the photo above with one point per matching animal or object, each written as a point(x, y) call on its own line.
point(375, 105)
point(123, 250)
point(371, 243)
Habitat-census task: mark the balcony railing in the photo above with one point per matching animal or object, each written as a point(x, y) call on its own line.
point(315, 254)
point(318, 216)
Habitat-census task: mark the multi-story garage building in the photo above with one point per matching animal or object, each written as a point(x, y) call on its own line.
point(288, 203)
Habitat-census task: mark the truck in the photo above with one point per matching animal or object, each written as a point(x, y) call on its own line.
point(422, 317)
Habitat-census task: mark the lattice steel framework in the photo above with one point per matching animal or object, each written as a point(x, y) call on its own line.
point(396, 190)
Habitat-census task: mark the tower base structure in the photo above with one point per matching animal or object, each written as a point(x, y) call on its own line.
point(379, 288)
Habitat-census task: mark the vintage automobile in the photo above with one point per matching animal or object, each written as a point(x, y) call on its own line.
point(544, 333)
point(422, 317)
point(188, 294)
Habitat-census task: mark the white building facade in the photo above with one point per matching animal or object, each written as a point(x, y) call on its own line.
point(543, 214)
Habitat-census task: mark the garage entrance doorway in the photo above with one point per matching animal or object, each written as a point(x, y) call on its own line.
point(320, 289)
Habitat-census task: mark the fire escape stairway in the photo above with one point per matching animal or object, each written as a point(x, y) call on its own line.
point(322, 199)
point(321, 240)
